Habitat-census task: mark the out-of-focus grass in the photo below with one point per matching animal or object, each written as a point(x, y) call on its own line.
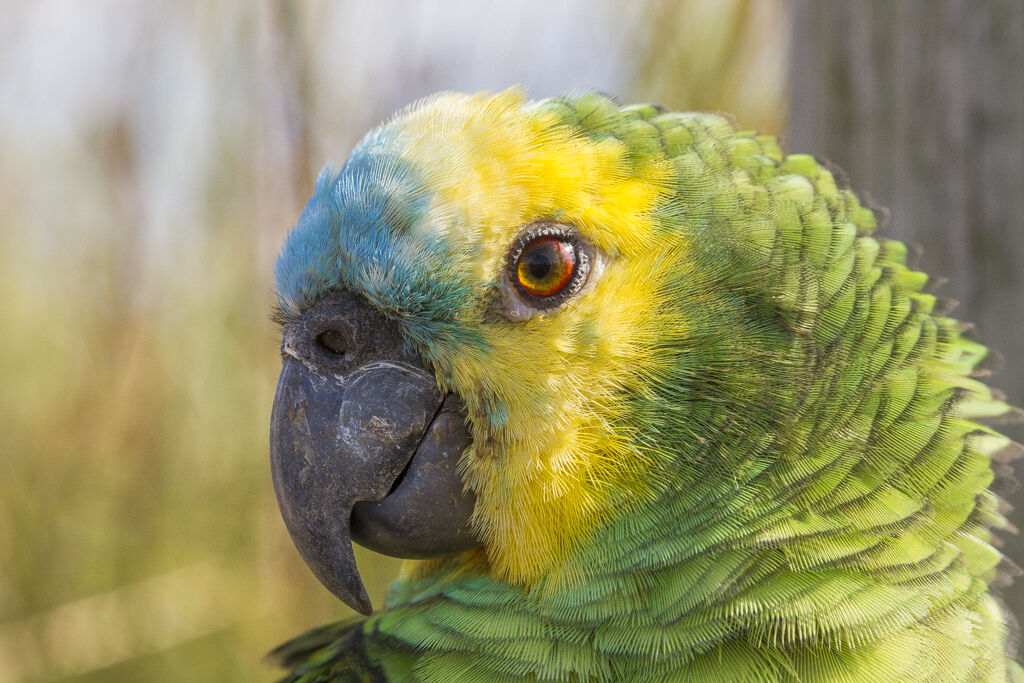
point(717, 56)
point(139, 536)
point(136, 512)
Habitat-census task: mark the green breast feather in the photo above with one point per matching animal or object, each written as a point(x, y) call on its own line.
point(815, 466)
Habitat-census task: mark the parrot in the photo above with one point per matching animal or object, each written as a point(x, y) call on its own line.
point(638, 397)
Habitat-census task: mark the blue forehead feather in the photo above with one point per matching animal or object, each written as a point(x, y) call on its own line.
point(356, 233)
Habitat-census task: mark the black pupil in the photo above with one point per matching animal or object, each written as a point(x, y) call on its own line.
point(539, 261)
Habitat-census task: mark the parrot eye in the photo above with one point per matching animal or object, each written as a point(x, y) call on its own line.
point(548, 264)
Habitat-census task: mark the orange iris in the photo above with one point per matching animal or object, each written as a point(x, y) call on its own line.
point(545, 266)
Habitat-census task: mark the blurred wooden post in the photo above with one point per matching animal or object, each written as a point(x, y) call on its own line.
point(922, 104)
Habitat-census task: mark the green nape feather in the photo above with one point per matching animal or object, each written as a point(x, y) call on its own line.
point(817, 506)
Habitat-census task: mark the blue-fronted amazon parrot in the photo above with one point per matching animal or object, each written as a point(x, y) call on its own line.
point(642, 397)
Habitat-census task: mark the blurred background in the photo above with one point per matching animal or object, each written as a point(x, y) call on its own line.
point(153, 156)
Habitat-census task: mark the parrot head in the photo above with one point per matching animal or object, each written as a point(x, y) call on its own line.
point(511, 328)
point(475, 305)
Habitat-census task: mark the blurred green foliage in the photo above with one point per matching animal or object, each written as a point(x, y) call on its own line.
point(716, 56)
point(153, 158)
point(137, 513)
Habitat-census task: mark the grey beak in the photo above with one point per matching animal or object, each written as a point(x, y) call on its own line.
point(362, 442)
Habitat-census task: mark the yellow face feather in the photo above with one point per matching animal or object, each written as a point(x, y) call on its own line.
point(553, 380)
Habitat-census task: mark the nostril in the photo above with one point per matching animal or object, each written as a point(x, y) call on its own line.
point(333, 342)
